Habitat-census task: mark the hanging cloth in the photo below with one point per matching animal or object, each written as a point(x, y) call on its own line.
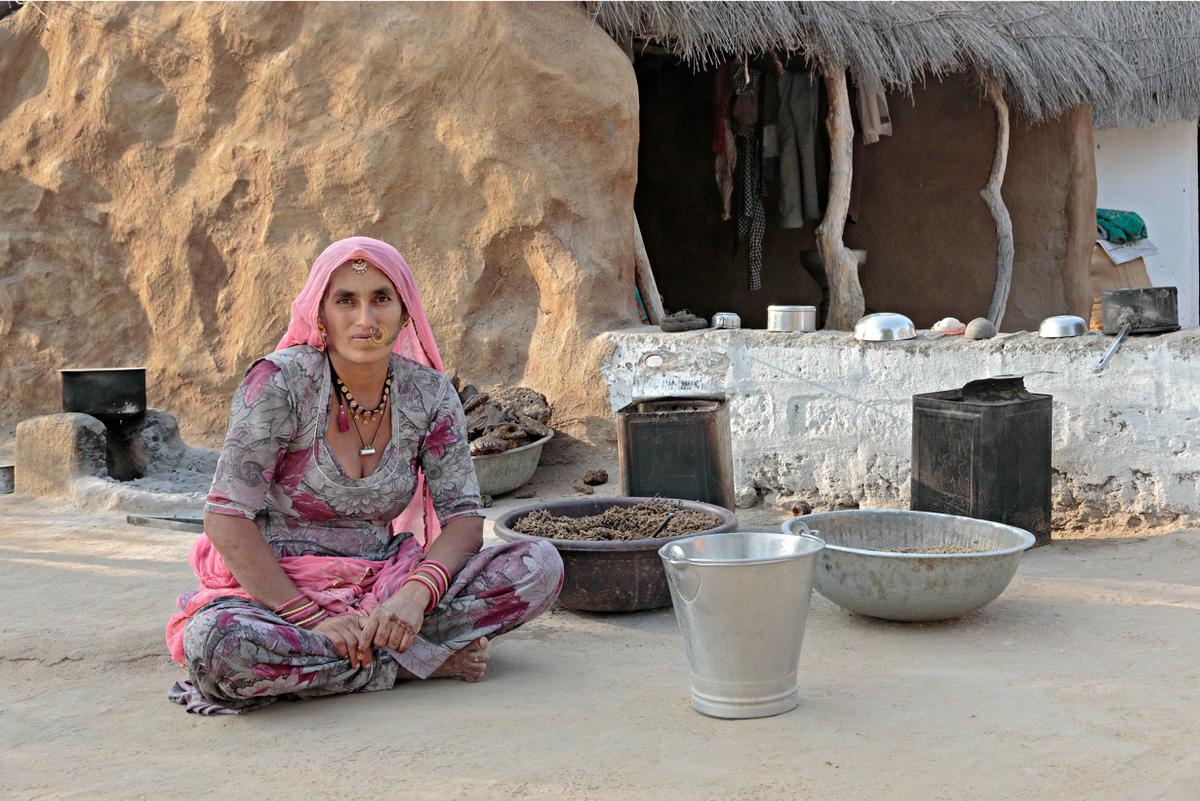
point(723, 145)
point(873, 111)
point(751, 217)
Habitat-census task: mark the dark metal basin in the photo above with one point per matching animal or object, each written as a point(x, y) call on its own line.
point(107, 394)
point(606, 576)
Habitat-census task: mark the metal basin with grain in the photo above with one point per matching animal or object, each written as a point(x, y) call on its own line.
point(857, 572)
point(616, 575)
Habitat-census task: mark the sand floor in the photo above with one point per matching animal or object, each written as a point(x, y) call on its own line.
point(1079, 682)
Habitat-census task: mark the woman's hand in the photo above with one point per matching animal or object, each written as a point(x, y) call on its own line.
point(395, 622)
point(343, 631)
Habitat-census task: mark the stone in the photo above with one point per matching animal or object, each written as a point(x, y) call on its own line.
point(745, 497)
point(980, 328)
point(56, 449)
point(595, 477)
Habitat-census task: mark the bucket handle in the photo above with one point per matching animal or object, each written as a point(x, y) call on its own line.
point(684, 577)
point(800, 524)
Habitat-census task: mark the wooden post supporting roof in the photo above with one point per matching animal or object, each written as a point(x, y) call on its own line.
point(995, 204)
point(846, 302)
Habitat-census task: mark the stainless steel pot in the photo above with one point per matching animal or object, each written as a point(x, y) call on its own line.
point(791, 318)
point(726, 320)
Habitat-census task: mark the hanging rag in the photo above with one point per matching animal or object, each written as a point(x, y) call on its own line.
point(1121, 226)
point(799, 95)
point(873, 111)
point(751, 217)
point(723, 145)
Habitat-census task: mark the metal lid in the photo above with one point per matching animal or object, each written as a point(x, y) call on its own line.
point(791, 308)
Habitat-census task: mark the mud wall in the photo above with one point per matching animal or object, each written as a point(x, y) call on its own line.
point(931, 242)
point(168, 171)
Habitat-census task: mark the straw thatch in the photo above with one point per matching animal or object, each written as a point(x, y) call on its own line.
point(1161, 42)
point(1043, 57)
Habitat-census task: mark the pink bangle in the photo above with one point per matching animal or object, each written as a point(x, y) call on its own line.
point(311, 622)
point(279, 609)
point(443, 570)
point(300, 613)
point(434, 595)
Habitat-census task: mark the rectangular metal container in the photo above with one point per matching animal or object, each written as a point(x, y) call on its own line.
point(676, 448)
point(984, 451)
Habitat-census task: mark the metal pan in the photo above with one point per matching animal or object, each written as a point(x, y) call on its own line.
point(1148, 310)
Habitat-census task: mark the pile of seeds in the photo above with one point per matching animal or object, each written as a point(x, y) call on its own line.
point(628, 523)
point(937, 549)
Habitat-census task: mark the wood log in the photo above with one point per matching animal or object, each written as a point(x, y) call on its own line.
point(991, 195)
point(846, 302)
point(644, 278)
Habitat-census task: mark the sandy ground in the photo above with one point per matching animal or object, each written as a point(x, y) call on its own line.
point(1079, 682)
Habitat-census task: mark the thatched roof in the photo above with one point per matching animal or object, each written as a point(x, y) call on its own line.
point(1161, 42)
point(1042, 55)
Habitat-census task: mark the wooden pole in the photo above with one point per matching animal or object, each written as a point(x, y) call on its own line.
point(846, 302)
point(645, 278)
point(991, 195)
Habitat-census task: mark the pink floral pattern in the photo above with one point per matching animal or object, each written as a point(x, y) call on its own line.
point(277, 469)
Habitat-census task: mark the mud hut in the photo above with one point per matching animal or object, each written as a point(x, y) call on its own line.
point(991, 95)
point(1146, 145)
point(169, 170)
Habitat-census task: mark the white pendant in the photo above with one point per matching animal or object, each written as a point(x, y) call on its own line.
point(367, 451)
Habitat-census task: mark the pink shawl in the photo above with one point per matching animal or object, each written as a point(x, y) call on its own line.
point(415, 342)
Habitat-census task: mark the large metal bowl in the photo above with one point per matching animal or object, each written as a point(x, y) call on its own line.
point(856, 571)
point(884, 327)
point(503, 472)
point(617, 575)
point(1062, 325)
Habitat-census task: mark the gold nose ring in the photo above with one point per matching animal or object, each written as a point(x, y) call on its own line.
point(379, 336)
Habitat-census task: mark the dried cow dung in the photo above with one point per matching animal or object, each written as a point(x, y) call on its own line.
point(485, 445)
point(516, 415)
point(525, 401)
point(595, 477)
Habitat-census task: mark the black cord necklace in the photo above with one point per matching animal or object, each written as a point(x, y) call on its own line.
point(342, 393)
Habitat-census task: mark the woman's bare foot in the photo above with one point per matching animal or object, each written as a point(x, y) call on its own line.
point(465, 665)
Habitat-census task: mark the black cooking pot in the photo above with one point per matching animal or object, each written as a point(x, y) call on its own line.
point(108, 394)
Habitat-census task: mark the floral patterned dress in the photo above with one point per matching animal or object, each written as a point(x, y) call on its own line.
point(333, 536)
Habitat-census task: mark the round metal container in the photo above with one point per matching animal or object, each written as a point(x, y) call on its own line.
point(610, 575)
point(742, 601)
point(1063, 325)
point(884, 327)
point(503, 472)
point(860, 570)
point(791, 318)
point(726, 320)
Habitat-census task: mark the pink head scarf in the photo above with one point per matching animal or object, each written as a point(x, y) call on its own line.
point(415, 342)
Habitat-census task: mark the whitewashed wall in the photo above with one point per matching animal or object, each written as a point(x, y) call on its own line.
point(825, 418)
point(1153, 171)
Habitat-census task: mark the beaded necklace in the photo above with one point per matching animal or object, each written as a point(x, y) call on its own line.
point(357, 412)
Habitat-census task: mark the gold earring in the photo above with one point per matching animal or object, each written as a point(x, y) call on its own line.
point(406, 322)
point(321, 328)
point(378, 337)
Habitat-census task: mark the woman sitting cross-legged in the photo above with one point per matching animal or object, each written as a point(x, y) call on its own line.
point(342, 534)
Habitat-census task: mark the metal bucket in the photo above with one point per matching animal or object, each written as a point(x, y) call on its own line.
point(741, 600)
